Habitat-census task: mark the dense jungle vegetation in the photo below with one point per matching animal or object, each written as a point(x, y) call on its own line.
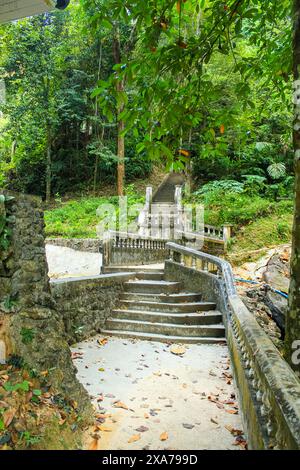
point(232, 111)
point(168, 89)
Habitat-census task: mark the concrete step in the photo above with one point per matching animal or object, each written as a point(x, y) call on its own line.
point(207, 318)
point(151, 276)
point(171, 298)
point(155, 287)
point(131, 269)
point(217, 331)
point(178, 307)
point(163, 338)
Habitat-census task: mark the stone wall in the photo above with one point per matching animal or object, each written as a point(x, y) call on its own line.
point(26, 303)
point(85, 303)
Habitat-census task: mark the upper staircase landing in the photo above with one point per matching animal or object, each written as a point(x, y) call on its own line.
point(166, 191)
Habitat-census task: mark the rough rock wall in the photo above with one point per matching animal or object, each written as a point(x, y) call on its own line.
point(31, 325)
point(85, 303)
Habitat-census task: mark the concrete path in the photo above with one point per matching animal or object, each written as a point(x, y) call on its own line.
point(65, 262)
point(153, 399)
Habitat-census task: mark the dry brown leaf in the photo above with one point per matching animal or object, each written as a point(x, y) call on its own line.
point(134, 438)
point(240, 441)
point(3, 404)
point(178, 350)
point(120, 404)
point(146, 416)
point(94, 444)
point(232, 412)
point(164, 436)
point(76, 355)
point(233, 431)
point(102, 342)
point(8, 416)
point(104, 428)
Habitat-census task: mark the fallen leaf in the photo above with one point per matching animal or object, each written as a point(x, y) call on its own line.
point(134, 438)
point(178, 350)
point(164, 436)
point(240, 441)
point(233, 431)
point(104, 428)
point(142, 429)
point(146, 416)
point(8, 416)
point(94, 444)
point(188, 426)
point(119, 404)
point(102, 342)
point(232, 412)
point(214, 421)
point(76, 355)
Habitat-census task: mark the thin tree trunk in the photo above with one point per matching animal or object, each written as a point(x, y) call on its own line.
point(97, 124)
point(48, 167)
point(292, 340)
point(121, 140)
point(121, 146)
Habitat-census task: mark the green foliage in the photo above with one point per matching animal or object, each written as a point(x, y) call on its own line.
point(211, 79)
point(27, 335)
point(78, 218)
point(228, 201)
point(5, 231)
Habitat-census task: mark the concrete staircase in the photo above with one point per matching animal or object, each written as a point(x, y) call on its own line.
point(158, 310)
point(166, 192)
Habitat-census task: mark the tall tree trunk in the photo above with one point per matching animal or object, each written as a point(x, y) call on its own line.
point(121, 140)
point(292, 340)
point(48, 166)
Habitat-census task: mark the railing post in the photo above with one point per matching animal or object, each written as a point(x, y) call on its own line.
point(227, 234)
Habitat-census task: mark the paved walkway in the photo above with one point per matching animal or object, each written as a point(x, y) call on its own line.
point(154, 399)
point(65, 262)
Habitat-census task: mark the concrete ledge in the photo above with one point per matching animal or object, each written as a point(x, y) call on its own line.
point(101, 279)
point(91, 245)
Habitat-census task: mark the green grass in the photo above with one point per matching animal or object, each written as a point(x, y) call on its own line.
point(263, 233)
point(78, 218)
point(257, 222)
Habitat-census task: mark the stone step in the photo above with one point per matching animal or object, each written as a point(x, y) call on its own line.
point(155, 287)
point(217, 331)
point(178, 307)
point(154, 276)
point(131, 269)
point(171, 298)
point(164, 338)
point(207, 318)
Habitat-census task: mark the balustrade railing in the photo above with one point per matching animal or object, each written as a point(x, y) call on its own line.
point(198, 260)
point(269, 390)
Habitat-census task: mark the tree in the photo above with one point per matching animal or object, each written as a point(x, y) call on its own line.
point(293, 315)
point(32, 49)
point(112, 93)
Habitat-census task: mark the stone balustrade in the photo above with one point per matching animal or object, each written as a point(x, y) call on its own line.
point(269, 391)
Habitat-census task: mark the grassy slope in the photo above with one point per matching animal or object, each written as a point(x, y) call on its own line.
point(75, 216)
point(258, 223)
